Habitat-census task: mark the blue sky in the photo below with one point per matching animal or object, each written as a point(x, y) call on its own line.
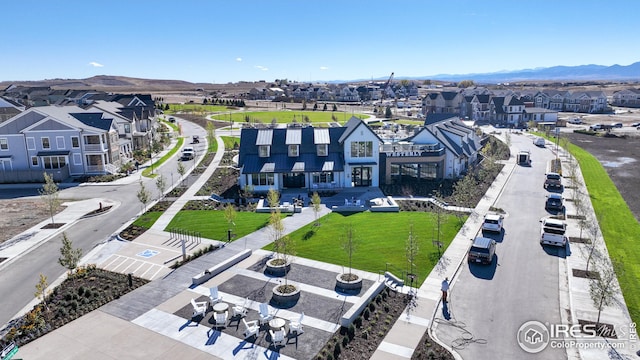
point(242, 40)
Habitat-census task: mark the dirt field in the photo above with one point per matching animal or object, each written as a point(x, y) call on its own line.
point(19, 215)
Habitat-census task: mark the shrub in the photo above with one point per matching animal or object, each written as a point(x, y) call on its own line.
point(345, 341)
point(372, 306)
point(352, 331)
point(366, 314)
point(358, 322)
point(337, 350)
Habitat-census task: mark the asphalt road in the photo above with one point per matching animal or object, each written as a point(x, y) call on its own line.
point(488, 304)
point(18, 280)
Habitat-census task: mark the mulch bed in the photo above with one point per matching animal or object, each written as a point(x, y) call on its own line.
point(602, 329)
point(584, 274)
point(53, 226)
point(132, 232)
point(98, 211)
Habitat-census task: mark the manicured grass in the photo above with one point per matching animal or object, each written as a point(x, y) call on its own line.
point(174, 108)
point(230, 142)
point(377, 245)
point(148, 219)
point(147, 172)
point(619, 227)
point(211, 224)
point(284, 117)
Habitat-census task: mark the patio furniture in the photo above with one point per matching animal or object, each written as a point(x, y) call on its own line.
point(278, 337)
point(265, 314)
point(277, 323)
point(251, 328)
point(214, 297)
point(220, 319)
point(220, 307)
point(199, 307)
point(239, 310)
point(295, 325)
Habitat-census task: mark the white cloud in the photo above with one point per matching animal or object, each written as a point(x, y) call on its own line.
point(263, 68)
point(95, 64)
point(324, 68)
point(239, 59)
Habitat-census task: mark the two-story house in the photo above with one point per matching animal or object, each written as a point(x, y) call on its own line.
point(62, 140)
point(310, 158)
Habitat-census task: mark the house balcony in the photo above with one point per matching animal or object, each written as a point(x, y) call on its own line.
point(95, 147)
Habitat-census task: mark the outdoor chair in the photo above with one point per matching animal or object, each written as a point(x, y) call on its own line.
point(295, 325)
point(199, 307)
point(251, 328)
point(278, 337)
point(214, 297)
point(239, 310)
point(220, 319)
point(265, 314)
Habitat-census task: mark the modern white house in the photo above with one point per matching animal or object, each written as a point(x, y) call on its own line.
point(353, 155)
point(309, 158)
point(61, 140)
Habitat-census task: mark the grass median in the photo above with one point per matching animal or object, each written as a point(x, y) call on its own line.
point(619, 227)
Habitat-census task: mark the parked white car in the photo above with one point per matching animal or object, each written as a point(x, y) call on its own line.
point(492, 222)
point(538, 141)
point(552, 232)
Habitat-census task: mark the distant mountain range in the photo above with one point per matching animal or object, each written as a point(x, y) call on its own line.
point(555, 73)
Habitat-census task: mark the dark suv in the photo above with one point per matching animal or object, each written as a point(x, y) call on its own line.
point(553, 181)
point(482, 250)
point(554, 202)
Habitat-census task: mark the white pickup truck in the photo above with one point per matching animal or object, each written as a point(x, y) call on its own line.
point(552, 232)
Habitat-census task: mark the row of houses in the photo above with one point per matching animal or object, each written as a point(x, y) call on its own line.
point(68, 140)
point(354, 155)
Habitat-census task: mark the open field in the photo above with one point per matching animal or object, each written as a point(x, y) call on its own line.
point(286, 116)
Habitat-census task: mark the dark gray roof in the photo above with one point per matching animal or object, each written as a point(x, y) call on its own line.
point(94, 120)
point(436, 118)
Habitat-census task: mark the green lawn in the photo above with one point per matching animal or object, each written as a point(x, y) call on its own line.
point(230, 142)
point(376, 246)
point(157, 162)
point(148, 219)
point(284, 117)
point(212, 225)
point(619, 227)
point(174, 108)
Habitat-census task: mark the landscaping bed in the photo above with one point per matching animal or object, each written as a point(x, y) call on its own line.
point(361, 339)
point(84, 291)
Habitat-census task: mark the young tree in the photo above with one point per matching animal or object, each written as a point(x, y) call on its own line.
point(465, 190)
point(273, 198)
point(230, 215)
point(315, 106)
point(316, 203)
point(593, 230)
point(70, 257)
point(181, 171)
point(324, 108)
point(49, 194)
point(161, 184)
point(602, 288)
point(349, 245)
point(211, 133)
point(335, 107)
point(387, 112)
point(411, 249)
point(143, 196)
point(41, 290)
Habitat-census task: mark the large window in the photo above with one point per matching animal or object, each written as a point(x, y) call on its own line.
point(54, 162)
point(45, 143)
point(262, 179)
point(264, 150)
point(34, 160)
point(428, 171)
point(293, 150)
point(322, 149)
point(4, 144)
point(322, 177)
point(361, 149)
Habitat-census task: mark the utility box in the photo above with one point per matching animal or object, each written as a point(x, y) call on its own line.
point(523, 158)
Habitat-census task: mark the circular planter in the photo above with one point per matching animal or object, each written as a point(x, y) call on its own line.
point(277, 269)
point(350, 284)
point(285, 298)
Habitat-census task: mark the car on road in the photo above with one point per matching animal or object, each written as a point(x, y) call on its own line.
point(553, 181)
point(635, 124)
point(616, 125)
point(552, 232)
point(538, 141)
point(554, 202)
point(576, 121)
point(482, 250)
point(492, 222)
point(172, 119)
point(188, 153)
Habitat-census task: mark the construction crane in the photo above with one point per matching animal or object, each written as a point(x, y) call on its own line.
point(384, 88)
